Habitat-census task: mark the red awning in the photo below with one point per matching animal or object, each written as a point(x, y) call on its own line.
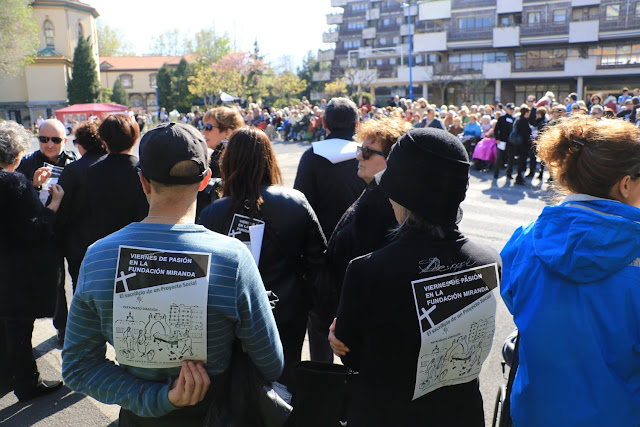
point(81, 112)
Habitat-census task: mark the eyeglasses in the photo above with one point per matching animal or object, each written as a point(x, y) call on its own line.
point(367, 152)
point(54, 139)
point(208, 127)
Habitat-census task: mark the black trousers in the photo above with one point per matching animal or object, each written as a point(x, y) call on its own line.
point(319, 347)
point(62, 311)
point(292, 337)
point(502, 156)
point(17, 364)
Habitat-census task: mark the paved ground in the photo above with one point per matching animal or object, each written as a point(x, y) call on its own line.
point(492, 211)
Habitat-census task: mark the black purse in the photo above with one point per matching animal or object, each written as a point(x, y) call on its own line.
point(242, 397)
point(323, 393)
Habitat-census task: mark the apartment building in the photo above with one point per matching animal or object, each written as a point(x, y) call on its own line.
point(484, 50)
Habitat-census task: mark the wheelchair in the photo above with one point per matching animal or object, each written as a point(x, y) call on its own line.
point(502, 406)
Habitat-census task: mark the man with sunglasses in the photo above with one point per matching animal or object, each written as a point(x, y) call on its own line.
point(52, 136)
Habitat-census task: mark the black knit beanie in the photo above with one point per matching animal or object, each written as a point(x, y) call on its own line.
point(428, 173)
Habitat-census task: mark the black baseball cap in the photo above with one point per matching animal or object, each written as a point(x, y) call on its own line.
point(168, 144)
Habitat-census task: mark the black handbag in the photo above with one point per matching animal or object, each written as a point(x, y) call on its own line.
point(323, 393)
point(242, 397)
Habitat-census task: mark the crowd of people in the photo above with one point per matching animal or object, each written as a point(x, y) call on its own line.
point(363, 254)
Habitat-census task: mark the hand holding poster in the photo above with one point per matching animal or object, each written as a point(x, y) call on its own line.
point(160, 307)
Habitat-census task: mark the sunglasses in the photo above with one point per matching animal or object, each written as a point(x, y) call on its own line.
point(367, 152)
point(54, 139)
point(208, 127)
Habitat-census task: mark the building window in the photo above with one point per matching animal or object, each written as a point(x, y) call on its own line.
point(590, 13)
point(48, 33)
point(126, 80)
point(638, 10)
point(136, 101)
point(351, 44)
point(477, 23)
point(80, 30)
point(382, 41)
point(612, 12)
point(357, 25)
point(533, 18)
point(540, 59)
point(357, 7)
point(616, 55)
point(151, 100)
point(152, 80)
point(392, 61)
point(559, 16)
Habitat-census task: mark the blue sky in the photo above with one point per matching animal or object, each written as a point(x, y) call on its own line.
point(282, 27)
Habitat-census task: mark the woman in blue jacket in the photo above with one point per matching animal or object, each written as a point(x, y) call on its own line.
point(571, 279)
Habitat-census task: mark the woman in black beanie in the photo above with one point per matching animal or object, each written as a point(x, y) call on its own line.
point(426, 297)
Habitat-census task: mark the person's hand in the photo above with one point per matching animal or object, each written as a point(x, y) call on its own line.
point(190, 386)
point(337, 346)
point(41, 175)
point(57, 193)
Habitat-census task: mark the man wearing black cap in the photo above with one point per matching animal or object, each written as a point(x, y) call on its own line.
point(188, 293)
point(327, 177)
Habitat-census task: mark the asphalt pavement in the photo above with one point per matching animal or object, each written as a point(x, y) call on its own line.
point(493, 209)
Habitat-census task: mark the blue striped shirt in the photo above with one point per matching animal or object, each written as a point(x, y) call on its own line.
point(237, 306)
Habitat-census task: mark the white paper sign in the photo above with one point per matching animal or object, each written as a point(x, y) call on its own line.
point(241, 228)
point(456, 313)
point(56, 171)
point(160, 307)
point(502, 145)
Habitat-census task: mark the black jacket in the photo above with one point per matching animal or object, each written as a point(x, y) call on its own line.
point(115, 195)
point(36, 160)
point(365, 227)
point(329, 188)
point(503, 127)
point(380, 318)
point(293, 246)
point(73, 218)
point(523, 129)
point(29, 265)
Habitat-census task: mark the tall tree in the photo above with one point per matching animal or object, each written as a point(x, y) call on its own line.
point(18, 36)
point(336, 88)
point(84, 86)
point(119, 95)
point(287, 85)
point(180, 98)
point(112, 43)
point(171, 43)
point(163, 80)
point(209, 46)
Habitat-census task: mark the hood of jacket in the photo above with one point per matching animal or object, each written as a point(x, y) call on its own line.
point(587, 239)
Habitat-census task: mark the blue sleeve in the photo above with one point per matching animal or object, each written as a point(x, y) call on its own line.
point(257, 328)
point(508, 253)
point(86, 370)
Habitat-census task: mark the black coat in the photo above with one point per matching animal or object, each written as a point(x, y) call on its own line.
point(293, 246)
point(115, 194)
point(379, 320)
point(329, 188)
point(36, 160)
point(73, 218)
point(29, 265)
point(365, 227)
point(503, 127)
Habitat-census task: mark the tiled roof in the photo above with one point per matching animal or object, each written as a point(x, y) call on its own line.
point(122, 63)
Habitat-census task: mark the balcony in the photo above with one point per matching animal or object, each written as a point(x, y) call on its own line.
point(404, 29)
point(506, 36)
point(509, 6)
point(369, 33)
point(321, 76)
point(338, 3)
point(624, 22)
point(327, 55)
point(430, 42)
point(496, 70)
point(335, 18)
point(418, 73)
point(578, 3)
point(372, 14)
point(467, 4)
point(543, 28)
point(585, 31)
point(330, 37)
point(580, 66)
point(456, 35)
point(387, 72)
point(361, 77)
point(435, 10)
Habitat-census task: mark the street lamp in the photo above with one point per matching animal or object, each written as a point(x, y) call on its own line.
point(408, 8)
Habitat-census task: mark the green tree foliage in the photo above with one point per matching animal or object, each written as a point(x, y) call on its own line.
point(287, 86)
point(163, 80)
point(171, 43)
point(336, 88)
point(112, 43)
point(119, 95)
point(310, 64)
point(84, 86)
point(210, 47)
point(18, 36)
point(105, 94)
point(180, 98)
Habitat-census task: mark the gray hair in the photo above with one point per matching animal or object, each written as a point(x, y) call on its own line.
point(14, 139)
point(412, 220)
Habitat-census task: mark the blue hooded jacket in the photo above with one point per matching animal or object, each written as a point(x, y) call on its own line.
point(571, 279)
